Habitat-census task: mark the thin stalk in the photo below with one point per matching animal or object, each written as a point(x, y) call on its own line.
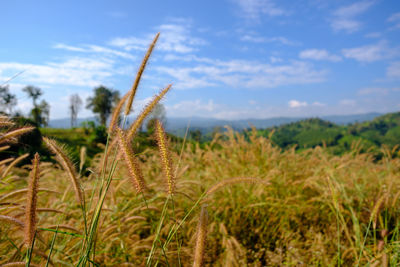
point(148, 263)
point(53, 241)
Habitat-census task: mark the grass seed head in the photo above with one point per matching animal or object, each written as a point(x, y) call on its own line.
point(67, 165)
point(139, 75)
point(166, 161)
point(11, 135)
point(30, 212)
point(146, 111)
point(131, 162)
point(201, 238)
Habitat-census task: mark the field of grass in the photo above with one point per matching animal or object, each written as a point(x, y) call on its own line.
point(238, 200)
point(317, 209)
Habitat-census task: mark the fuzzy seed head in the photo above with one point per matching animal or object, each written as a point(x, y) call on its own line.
point(11, 135)
point(131, 162)
point(166, 161)
point(30, 212)
point(146, 111)
point(62, 158)
point(201, 238)
point(139, 75)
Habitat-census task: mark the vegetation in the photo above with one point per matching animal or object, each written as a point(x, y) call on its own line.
point(239, 200)
point(74, 108)
point(384, 130)
point(40, 113)
point(102, 102)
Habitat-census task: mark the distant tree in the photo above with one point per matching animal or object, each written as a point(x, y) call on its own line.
point(102, 102)
point(74, 107)
point(195, 135)
point(7, 100)
point(44, 112)
point(40, 113)
point(33, 92)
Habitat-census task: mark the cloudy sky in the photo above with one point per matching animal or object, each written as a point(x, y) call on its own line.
point(226, 59)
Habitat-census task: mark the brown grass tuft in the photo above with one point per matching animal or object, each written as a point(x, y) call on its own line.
point(17, 263)
point(235, 180)
point(66, 163)
point(30, 212)
point(166, 161)
point(139, 75)
point(11, 135)
point(201, 238)
point(12, 220)
point(146, 111)
point(131, 162)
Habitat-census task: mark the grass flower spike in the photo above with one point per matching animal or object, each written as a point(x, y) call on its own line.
point(165, 157)
point(131, 162)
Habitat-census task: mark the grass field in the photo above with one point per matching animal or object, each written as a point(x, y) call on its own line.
point(317, 209)
point(235, 201)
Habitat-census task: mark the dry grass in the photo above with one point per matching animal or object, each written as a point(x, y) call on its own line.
point(282, 208)
point(318, 209)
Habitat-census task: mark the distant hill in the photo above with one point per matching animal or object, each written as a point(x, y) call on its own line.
point(308, 133)
point(206, 125)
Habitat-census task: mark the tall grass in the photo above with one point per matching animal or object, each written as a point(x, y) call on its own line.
point(280, 207)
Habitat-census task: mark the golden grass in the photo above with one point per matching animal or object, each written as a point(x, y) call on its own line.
point(282, 208)
point(131, 162)
point(166, 161)
point(66, 163)
point(31, 202)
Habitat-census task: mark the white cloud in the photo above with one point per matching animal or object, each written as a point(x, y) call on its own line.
point(394, 18)
point(252, 10)
point(370, 53)
point(95, 49)
point(318, 104)
point(74, 71)
point(347, 102)
point(373, 35)
point(344, 17)
point(193, 106)
point(319, 54)
point(373, 90)
point(174, 37)
point(393, 71)
point(243, 74)
point(297, 104)
point(260, 39)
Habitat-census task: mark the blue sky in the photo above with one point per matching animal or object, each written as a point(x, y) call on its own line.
point(229, 59)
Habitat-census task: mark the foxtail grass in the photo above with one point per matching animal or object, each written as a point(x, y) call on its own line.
point(135, 85)
point(11, 136)
point(131, 162)
point(145, 112)
point(30, 213)
point(201, 237)
point(166, 161)
point(66, 163)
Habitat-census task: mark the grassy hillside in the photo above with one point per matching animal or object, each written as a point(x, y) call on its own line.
point(299, 208)
point(371, 135)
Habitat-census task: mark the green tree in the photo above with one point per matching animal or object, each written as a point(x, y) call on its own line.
point(102, 102)
point(7, 100)
point(40, 113)
point(33, 92)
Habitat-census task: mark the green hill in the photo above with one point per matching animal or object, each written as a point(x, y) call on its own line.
point(371, 135)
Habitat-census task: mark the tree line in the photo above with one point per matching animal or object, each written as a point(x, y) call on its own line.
point(102, 102)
